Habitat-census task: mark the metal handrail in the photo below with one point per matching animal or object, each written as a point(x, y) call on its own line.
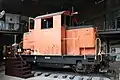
point(99, 52)
point(22, 59)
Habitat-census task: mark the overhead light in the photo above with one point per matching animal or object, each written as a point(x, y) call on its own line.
point(22, 0)
point(99, 1)
point(75, 13)
point(35, 0)
point(2, 14)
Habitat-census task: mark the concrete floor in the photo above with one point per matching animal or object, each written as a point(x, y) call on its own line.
point(5, 77)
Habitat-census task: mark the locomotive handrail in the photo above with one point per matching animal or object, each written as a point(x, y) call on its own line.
point(99, 52)
point(99, 44)
point(22, 59)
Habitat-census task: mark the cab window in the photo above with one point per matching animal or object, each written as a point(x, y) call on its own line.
point(47, 23)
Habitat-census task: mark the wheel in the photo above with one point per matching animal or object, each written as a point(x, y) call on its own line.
point(79, 67)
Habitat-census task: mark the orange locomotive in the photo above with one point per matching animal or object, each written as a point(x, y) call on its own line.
point(57, 39)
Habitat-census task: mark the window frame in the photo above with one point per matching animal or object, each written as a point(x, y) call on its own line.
point(33, 27)
point(64, 22)
point(69, 23)
point(43, 25)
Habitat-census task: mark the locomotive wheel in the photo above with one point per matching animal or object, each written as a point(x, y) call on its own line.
point(85, 68)
point(79, 67)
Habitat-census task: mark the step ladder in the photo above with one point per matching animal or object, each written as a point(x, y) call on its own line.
point(16, 66)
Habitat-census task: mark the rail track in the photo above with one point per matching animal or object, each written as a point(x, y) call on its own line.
point(68, 74)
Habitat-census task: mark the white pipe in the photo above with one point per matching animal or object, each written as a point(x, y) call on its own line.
point(15, 38)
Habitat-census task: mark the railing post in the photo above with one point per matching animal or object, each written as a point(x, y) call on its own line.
point(119, 74)
point(15, 38)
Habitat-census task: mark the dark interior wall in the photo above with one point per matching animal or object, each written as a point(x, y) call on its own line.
point(8, 39)
point(90, 13)
point(88, 8)
point(96, 13)
point(91, 10)
point(23, 7)
point(93, 14)
point(38, 7)
point(111, 4)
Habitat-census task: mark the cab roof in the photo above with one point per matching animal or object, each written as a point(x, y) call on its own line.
point(50, 15)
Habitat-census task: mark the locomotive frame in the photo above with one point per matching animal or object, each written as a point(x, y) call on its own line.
point(78, 62)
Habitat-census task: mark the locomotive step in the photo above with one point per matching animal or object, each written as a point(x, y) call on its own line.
point(28, 75)
point(14, 59)
point(26, 72)
point(18, 68)
point(26, 67)
point(11, 58)
point(23, 68)
point(19, 65)
point(16, 72)
point(18, 62)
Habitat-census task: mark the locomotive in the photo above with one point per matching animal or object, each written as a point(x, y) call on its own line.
point(57, 39)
